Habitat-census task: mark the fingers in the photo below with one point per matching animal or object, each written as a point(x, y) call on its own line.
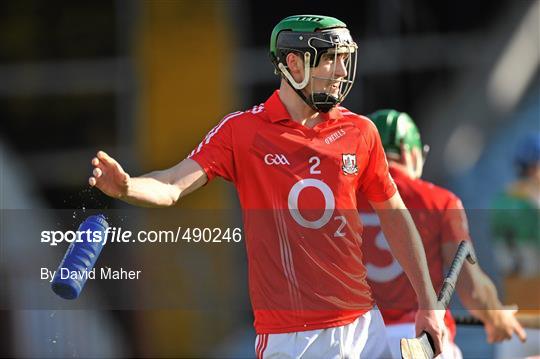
point(108, 176)
point(517, 328)
point(490, 338)
point(504, 326)
point(431, 321)
point(496, 335)
point(105, 158)
point(512, 307)
point(522, 335)
point(438, 341)
point(106, 162)
point(97, 172)
point(437, 337)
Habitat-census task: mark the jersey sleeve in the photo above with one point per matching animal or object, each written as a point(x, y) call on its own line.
point(215, 152)
point(376, 182)
point(455, 227)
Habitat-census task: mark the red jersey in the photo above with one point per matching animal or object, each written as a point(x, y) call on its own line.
point(297, 188)
point(439, 217)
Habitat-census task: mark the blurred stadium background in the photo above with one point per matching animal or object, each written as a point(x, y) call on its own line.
point(145, 81)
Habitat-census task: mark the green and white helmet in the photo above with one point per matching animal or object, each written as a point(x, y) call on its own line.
point(311, 36)
point(396, 128)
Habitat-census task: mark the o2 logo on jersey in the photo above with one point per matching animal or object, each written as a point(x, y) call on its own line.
point(374, 272)
point(275, 159)
point(349, 166)
point(329, 201)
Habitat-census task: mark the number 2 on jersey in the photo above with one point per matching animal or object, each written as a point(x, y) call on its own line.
point(316, 162)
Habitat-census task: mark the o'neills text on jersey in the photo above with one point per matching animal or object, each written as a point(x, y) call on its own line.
point(334, 136)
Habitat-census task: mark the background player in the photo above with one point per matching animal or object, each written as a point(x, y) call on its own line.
point(297, 161)
point(515, 223)
point(516, 230)
point(442, 223)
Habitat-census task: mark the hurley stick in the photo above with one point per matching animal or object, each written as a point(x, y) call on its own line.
point(423, 347)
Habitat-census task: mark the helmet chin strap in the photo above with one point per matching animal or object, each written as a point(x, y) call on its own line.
point(290, 79)
point(321, 101)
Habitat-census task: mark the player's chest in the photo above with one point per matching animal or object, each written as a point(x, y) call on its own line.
point(338, 154)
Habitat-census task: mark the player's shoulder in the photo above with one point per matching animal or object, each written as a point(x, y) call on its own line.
point(240, 118)
point(364, 125)
point(355, 118)
point(440, 196)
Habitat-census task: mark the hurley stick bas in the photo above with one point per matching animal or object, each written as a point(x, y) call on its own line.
point(423, 346)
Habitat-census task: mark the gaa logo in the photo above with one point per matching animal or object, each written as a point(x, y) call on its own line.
point(275, 159)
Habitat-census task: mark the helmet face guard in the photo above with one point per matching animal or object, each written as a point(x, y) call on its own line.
point(311, 46)
point(324, 101)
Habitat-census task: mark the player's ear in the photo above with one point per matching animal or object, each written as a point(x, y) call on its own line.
point(294, 63)
point(405, 154)
point(417, 158)
point(407, 159)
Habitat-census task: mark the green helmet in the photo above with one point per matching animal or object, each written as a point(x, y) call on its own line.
point(396, 128)
point(311, 36)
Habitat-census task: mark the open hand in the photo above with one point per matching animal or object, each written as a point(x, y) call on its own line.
point(502, 324)
point(109, 176)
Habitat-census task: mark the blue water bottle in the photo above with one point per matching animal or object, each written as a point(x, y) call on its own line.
point(80, 258)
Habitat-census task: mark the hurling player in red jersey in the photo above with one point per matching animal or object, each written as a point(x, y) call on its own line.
point(442, 223)
point(297, 161)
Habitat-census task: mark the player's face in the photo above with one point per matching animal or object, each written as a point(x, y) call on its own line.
point(534, 172)
point(329, 74)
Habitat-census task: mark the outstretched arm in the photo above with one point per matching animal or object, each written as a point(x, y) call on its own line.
point(479, 295)
point(155, 189)
point(406, 245)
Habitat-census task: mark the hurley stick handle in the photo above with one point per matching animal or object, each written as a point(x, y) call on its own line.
point(464, 251)
point(423, 346)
